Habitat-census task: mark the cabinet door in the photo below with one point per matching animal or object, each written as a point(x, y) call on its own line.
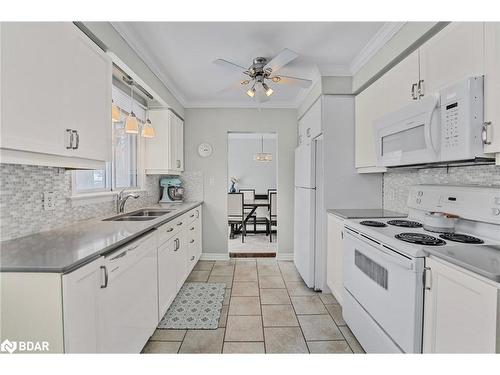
point(397, 84)
point(90, 99)
point(158, 149)
point(168, 263)
point(460, 313)
point(35, 65)
point(53, 79)
point(492, 86)
point(455, 53)
point(310, 123)
point(334, 256)
point(181, 261)
point(81, 294)
point(368, 107)
point(178, 143)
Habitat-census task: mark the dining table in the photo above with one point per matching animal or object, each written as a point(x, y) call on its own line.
point(252, 204)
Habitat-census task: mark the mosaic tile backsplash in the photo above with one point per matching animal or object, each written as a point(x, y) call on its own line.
point(397, 182)
point(21, 199)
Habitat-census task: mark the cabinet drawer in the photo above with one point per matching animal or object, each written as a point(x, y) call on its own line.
point(168, 230)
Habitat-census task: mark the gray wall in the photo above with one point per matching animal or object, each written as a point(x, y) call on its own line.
point(212, 125)
point(397, 183)
point(251, 174)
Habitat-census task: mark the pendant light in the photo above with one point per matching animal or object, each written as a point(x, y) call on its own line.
point(131, 124)
point(115, 112)
point(263, 156)
point(147, 130)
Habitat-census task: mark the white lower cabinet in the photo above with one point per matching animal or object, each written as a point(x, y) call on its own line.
point(194, 239)
point(334, 256)
point(461, 311)
point(168, 263)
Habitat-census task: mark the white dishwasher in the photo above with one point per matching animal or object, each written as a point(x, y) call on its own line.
point(129, 295)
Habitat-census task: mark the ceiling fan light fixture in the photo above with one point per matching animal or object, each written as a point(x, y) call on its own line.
point(276, 79)
point(251, 92)
point(269, 91)
point(244, 82)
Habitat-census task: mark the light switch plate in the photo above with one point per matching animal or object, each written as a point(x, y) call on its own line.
point(49, 201)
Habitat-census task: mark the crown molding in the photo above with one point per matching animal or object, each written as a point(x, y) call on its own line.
point(131, 39)
point(383, 35)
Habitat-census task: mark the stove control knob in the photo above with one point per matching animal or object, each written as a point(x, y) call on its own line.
point(419, 200)
point(495, 211)
point(420, 193)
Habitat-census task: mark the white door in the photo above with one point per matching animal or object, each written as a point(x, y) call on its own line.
point(81, 295)
point(460, 314)
point(167, 282)
point(334, 270)
point(303, 236)
point(492, 86)
point(304, 166)
point(455, 53)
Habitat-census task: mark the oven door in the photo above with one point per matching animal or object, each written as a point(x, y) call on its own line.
point(409, 135)
point(388, 286)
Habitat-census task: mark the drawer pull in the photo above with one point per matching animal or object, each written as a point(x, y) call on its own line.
point(192, 228)
point(170, 229)
point(192, 215)
point(179, 223)
point(192, 241)
point(192, 258)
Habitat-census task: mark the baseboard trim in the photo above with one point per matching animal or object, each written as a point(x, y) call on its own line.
point(214, 256)
point(284, 256)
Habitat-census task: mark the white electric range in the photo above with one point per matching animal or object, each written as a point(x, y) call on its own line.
point(384, 262)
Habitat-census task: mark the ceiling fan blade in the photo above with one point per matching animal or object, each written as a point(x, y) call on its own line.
point(283, 58)
point(287, 80)
point(230, 65)
point(234, 86)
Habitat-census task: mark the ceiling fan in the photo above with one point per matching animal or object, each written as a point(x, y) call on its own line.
point(262, 70)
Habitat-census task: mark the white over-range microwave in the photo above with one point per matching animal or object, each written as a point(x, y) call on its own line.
point(442, 127)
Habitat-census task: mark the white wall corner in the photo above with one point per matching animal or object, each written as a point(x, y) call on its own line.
point(284, 256)
point(383, 35)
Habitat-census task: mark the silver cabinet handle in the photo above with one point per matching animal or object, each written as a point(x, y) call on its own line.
point(178, 163)
point(120, 256)
point(192, 258)
point(308, 132)
point(77, 139)
point(484, 133)
point(420, 89)
point(192, 215)
point(177, 244)
point(179, 223)
point(197, 213)
point(192, 241)
point(105, 277)
point(414, 91)
point(70, 133)
point(170, 229)
point(192, 228)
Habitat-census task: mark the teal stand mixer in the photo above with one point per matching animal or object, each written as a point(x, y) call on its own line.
point(173, 192)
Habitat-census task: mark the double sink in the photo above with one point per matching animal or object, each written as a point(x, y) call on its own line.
point(140, 215)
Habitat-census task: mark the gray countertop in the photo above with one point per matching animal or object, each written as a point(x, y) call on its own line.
point(481, 259)
point(64, 249)
point(363, 213)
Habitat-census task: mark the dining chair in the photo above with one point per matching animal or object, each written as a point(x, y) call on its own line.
point(273, 213)
point(235, 213)
point(249, 194)
point(269, 191)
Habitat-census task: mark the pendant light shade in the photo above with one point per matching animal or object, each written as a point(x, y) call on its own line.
point(115, 112)
point(148, 131)
point(263, 156)
point(131, 124)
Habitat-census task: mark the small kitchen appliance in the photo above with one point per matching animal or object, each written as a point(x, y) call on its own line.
point(384, 261)
point(173, 192)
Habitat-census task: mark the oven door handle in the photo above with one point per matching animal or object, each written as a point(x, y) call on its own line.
point(396, 259)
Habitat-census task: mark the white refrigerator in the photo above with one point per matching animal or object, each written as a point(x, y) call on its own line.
point(308, 225)
point(326, 178)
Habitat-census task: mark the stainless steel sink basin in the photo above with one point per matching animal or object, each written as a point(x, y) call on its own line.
point(154, 213)
point(140, 215)
point(131, 218)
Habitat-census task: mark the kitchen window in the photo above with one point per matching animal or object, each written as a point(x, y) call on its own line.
point(123, 171)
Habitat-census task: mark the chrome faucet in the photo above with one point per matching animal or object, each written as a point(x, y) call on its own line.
point(122, 198)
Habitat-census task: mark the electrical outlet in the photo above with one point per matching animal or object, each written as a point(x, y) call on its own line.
point(49, 201)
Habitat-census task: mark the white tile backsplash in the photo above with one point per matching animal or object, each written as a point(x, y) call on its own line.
point(397, 182)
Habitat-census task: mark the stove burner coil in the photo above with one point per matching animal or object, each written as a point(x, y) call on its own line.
point(373, 223)
point(405, 223)
point(463, 238)
point(420, 239)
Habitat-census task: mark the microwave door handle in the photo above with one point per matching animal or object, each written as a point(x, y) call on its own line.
point(428, 129)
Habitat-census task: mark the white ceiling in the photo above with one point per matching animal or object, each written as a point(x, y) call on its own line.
point(182, 53)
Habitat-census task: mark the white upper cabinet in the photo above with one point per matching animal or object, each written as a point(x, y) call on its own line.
point(492, 88)
point(455, 53)
point(461, 311)
point(165, 152)
point(55, 96)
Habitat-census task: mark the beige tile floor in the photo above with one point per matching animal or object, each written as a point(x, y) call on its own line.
point(267, 309)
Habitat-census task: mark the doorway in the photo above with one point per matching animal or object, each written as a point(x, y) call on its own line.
point(252, 171)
